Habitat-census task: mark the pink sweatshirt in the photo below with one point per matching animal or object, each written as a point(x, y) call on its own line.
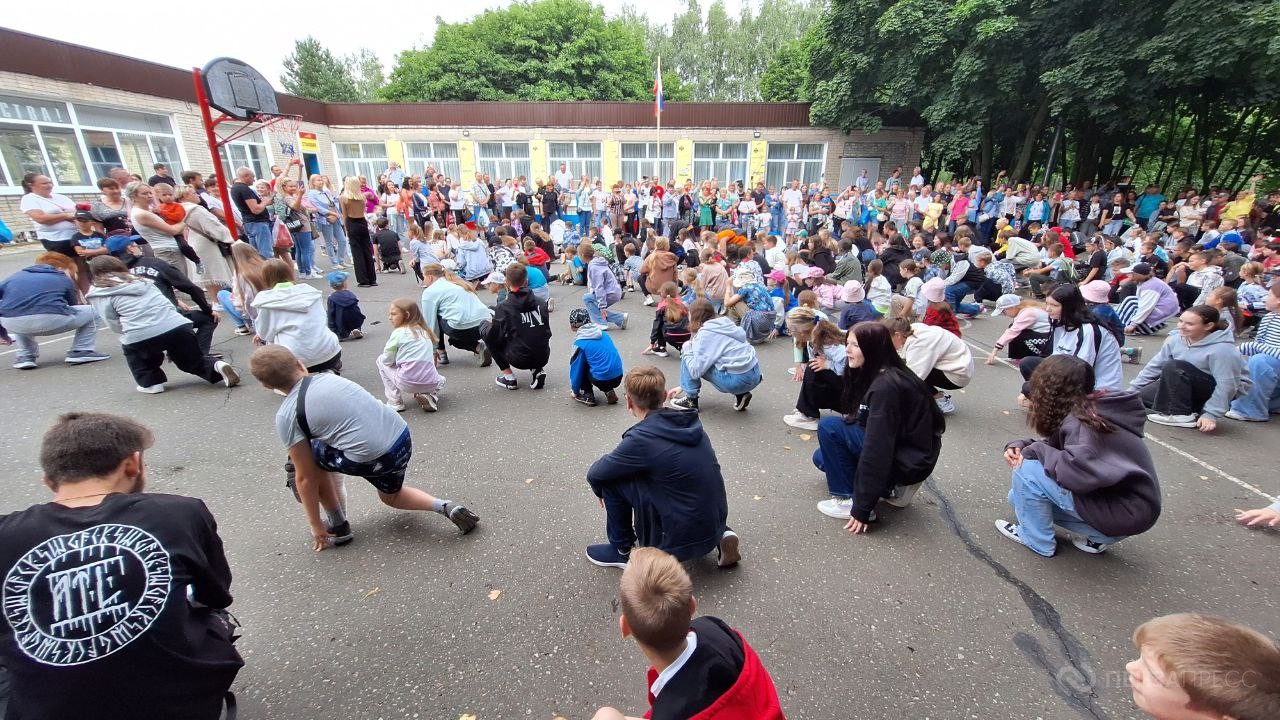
point(1027, 319)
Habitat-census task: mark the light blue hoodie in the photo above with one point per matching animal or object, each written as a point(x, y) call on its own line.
point(718, 344)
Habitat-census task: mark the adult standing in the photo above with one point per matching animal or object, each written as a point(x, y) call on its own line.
point(394, 173)
point(328, 219)
point(111, 208)
point(564, 178)
point(1195, 376)
point(457, 204)
point(208, 237)
point(52, 215)
point(353, 211)
point(293, 210)
point(253, 213)
point(159, 234)
point(162, 175)
point(550, 202)
point(480, 195)
point(43, 300)
point(887, 440)
point(584, 199)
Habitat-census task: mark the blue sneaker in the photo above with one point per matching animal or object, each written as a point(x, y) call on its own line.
point(606, 555)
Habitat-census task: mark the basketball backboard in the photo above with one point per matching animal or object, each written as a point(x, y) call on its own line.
point(238, 90)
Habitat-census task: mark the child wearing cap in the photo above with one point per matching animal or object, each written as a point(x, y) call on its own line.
point(938, 311)
point(88, 242)
point(701, 667)
point(595, 362)
point(343, 308)
point(1097, 297)
point(1027, 335)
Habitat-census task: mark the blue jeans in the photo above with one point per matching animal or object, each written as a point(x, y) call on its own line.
point(335, 241)
point(304, 248)
point(725, 382)
point(1041, 503)
point(593, 309)
point(956, 294)
point(584, 222)
point(25, 328)
point(1113, 228)
point(259, 234)
point(224, 299)
point(1264, 397)
point(839, 447)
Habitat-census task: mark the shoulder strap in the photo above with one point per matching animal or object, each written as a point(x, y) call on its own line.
point(300, 409)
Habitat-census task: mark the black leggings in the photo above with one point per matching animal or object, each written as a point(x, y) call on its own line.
point(1181, 389)
point(821, 389)
point(146, 357)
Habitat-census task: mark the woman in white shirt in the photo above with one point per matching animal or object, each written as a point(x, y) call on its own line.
point(458, 204)
point(158, 233)
point(1190, 215)
point(51, 214)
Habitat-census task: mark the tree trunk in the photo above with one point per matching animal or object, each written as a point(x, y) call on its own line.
point(1227, 142)
point(983, 165)
point(1030, 140)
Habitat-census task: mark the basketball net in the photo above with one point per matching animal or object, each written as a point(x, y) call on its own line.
point(283, 130)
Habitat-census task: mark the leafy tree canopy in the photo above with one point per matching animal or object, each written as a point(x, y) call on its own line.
point(311, 71)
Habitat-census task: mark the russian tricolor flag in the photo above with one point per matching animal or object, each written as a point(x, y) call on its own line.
point(657, 90)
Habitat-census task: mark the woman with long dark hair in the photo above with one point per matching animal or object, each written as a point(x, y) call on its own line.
point(887, 441)
point(1077, 332)
point(1091, 474)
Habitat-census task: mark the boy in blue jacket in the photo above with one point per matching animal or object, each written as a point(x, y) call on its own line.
point(595, 361)
point(345, 318)
point(661, 487)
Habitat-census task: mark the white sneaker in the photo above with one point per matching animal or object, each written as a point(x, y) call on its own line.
point(623, 325)
point(728, 549)
point(649, 301)
point(603, 328)
point(839, 508)
point(398, 407)
point(152, 389)
point(1242, 418)
point(945, 404)
point(230, 378)
point(800, 420)
point(901, 495)
point(1084, 544)
point(1184, 421)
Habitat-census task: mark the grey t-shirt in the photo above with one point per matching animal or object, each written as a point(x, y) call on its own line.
point(343, 415)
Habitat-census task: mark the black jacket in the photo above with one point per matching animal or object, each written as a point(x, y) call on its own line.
point(344, 313)
point(903, 438)
point(822, 258)
point(670, 457)
point(521, 331)
point(167, 279)
point(892, 257)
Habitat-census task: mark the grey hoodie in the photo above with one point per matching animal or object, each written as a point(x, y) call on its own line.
point(718, 344)
point(293, 316)
point(1217, 355)
point(137, 310)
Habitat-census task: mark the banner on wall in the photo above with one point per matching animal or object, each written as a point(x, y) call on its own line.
point(308, 142)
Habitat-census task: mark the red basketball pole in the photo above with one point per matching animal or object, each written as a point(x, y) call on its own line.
point(228, 212)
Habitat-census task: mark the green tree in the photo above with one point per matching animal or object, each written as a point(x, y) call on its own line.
point(541, 50)
point(311, 71)
point(366, 74)
point(786, 78)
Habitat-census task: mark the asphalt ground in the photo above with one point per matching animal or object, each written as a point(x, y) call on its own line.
point(931, 615)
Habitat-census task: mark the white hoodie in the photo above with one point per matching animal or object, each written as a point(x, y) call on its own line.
point(929, 347)
point(293, 316)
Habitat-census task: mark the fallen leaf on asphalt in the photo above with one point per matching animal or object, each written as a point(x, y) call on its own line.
point(1204, 477)
point(493, 594)
point(806, 437)
point(1006, 412)
point(758, 497)
point(373, 592)
point(786, 447)
point(530, 480)
point(559, 717)
point(466, 717)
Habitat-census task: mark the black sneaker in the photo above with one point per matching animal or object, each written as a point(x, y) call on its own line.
point(291, 479)
point(539, 380)
point(611, 397)
point(444, 358)
point(462, 517)
point(684, 402)
point(586, 398)
point(486, 357)
point(740, 402)
point(505, 381)
point(341, 534)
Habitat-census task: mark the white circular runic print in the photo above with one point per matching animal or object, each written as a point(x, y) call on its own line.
point(79, 597)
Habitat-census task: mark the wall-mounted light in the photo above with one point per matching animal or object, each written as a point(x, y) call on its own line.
point(755, 134)
point(466, 133)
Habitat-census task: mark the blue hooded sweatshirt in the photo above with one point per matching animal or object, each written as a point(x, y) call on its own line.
point(37, 290)
point(668, 460)
point(594, 356)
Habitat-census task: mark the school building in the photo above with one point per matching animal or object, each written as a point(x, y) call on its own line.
point(73, 112)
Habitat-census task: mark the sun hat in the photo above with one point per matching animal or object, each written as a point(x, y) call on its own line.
point(814, 273)
point(1096, 291)
point(940, 257)
point(1004, 302)
point(853, 292)
point(743, 276)
point(935, 290)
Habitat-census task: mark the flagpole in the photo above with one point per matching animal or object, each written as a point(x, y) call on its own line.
point(657, 158)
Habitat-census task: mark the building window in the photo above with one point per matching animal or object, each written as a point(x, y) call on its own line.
point(75, 144)
point(637, 161)
point(725, 162)
point(366, 160)
point(503, 160)
point(795, 161)
point(581, 158)
point(443, 156)
point(248, 151)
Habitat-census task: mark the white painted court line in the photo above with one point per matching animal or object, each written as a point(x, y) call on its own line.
point(1171, 448)
point(46, 342)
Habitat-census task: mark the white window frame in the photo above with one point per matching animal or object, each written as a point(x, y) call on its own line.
point(368, 165)
point(720, 167)
point(634, 168)
point(787, 165)
point(10, 185)
point(416, 164)
point(506, 166)
point(578, 164)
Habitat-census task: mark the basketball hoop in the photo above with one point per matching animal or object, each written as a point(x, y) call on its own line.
point(283, 130)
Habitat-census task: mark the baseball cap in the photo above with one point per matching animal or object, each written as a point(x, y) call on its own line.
point(1139, 268)
point(116, 244)
point(778, 276)
point(1004, 302)
point(336, 278)
point(84, 213)
point(578, 317)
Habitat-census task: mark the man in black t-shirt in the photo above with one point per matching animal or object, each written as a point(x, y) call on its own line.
point(253, 212)
point(114, 598)
point(162, 176)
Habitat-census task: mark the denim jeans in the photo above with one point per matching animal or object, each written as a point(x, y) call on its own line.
point(335, 241)
point(259, 234)
point(584, 222)
point(304, 249)
point(25, 328)
point(839, 447)
point(1264, 396)
point(1113, 227)
point(1041, 503)
point(956, 294)
point(224, 299)
point(593, 309)
point(725, 382)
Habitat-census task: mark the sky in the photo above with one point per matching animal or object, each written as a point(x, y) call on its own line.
point(168, 37)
